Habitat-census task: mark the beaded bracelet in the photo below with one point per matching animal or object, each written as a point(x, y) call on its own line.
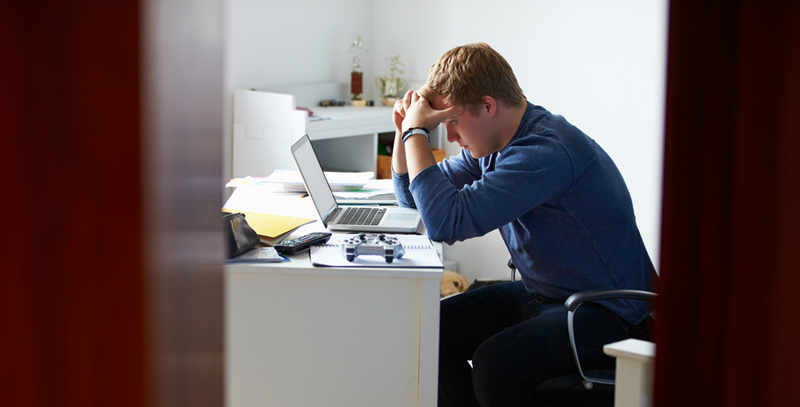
point(416, 130)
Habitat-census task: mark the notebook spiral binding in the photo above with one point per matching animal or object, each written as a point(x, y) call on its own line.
point(418, 247)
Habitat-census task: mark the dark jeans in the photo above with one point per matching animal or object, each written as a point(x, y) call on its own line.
point(516, 340)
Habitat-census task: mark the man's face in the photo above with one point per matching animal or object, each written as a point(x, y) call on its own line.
point(470, 132)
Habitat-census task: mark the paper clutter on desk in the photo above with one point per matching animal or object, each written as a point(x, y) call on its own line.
point(258, 255)
point(374, 191)
point(245, 182)
point(339, 181)
point(268, 225)
point(292, 180)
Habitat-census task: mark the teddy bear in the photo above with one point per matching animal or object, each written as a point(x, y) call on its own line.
point(453, 283)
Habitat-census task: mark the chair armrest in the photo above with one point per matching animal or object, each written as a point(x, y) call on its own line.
point(575, 300)
point(579, 298)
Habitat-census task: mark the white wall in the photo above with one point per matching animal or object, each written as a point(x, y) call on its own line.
point(601, 64)
point(272, 43)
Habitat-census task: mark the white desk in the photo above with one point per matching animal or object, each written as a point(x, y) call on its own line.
point(299, 335)
point(634, 377)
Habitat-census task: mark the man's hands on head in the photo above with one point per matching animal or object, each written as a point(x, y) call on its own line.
point(398, 115)
point(415, 111)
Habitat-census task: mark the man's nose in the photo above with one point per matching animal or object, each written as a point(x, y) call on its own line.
point(452, 136)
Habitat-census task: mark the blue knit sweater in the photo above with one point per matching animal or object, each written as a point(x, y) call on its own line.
point(559, 201)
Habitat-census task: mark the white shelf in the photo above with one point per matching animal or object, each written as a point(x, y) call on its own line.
point(350, 121)
point(266, 124)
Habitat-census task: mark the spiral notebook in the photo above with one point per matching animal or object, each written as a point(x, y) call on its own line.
point(420, 253)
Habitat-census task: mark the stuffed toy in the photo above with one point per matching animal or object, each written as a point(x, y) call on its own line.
point(453, 283)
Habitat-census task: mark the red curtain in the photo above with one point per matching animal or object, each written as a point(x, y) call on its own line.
point(728, 334)
point(71, 255)
point(110, 244)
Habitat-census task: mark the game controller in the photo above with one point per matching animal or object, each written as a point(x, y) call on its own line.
point(372, 244)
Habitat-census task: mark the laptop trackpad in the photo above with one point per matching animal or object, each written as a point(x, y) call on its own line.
point(401, 217)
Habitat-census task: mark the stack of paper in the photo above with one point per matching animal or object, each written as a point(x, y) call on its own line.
point(292, 180)
point(374, 191)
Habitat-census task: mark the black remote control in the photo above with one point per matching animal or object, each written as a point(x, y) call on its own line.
point(297, 244)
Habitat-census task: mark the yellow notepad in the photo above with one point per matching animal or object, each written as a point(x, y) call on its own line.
point(271, 225)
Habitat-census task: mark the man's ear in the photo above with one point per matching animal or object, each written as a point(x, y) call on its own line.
point(488, 105)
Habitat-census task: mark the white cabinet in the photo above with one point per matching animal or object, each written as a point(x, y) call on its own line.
point(266, 124)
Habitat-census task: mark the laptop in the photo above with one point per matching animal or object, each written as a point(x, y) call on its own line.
point(350, 218)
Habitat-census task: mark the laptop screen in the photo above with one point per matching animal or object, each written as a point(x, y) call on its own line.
point(313, 176)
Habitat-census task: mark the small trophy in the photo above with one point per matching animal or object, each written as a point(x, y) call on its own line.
point(356, 76)
point(391, 86)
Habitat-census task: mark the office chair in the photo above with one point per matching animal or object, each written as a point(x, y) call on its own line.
point(583, 388)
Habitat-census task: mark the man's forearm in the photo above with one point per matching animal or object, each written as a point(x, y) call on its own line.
point(413, 157)
point(399, 155)
point(418, 155)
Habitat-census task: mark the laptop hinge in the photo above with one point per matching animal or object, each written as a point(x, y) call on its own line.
point(327, 217)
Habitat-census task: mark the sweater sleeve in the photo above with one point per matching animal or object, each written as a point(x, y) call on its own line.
point(402, 192)
point(524, 175)
point(460, 170)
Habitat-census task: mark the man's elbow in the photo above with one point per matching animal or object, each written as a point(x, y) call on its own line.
point(435, 235)
point(439, 235)
point(449, 232)
point(406, 204)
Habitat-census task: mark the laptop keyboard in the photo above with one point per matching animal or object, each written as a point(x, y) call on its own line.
point(359, 216)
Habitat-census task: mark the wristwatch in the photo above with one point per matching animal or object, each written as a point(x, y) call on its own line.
point(416, 130)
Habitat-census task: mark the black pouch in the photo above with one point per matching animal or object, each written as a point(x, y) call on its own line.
point(239, 236)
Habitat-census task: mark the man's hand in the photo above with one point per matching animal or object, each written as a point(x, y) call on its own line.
point(414, 111)
point(417, 112)
point(398, 115)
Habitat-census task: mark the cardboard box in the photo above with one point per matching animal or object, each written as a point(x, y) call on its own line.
point(384, 170)
point(438, 155)
point(384, 167)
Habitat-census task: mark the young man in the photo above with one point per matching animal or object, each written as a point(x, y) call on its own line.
point(564, 213)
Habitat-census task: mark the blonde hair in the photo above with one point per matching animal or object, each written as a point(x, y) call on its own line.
point(465, 74)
